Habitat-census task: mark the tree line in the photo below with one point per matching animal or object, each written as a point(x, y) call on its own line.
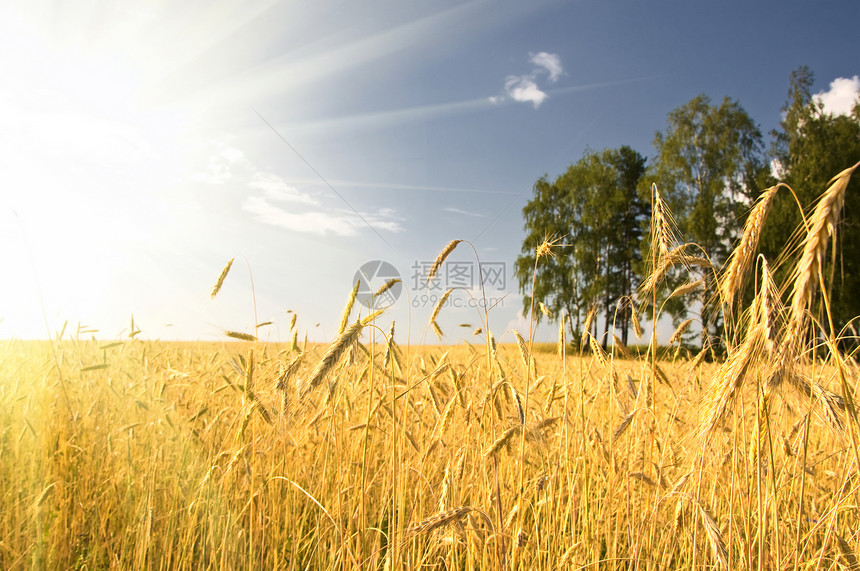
point(711, 164)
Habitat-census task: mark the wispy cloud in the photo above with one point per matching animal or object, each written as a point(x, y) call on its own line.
point(464, 212)
point(272, 200)
point(276, 188)
point(525, 88)
point(841, 97)
point(319, 222)
point(550, 62)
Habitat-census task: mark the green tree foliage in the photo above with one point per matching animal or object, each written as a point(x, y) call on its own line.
point(595, 205)
point(810, 148)
point(709, 163)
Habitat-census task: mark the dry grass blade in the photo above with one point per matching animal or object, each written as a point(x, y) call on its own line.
point(217, 287)
point(440, 259)
point(331, 357)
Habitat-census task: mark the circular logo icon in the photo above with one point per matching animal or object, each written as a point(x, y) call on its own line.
point(374, 275)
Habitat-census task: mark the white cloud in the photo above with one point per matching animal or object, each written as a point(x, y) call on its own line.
point(275, 188)
point(338, 223)
point(524, 89)
point(841, 97)
point(550, 62)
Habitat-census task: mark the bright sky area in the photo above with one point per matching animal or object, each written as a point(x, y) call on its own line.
point(143, 144)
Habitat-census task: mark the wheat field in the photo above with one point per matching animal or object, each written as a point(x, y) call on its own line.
point(137, 454)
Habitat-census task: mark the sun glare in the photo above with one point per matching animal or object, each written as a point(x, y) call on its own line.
point(84, 158)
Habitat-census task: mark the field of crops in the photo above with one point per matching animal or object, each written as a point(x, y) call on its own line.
point(171, 455)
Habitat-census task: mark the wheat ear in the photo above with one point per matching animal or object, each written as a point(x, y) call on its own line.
point(445, 518)
point(823, 225)
point(332, 356)
point(440, 259)
point(347, 310)
point(742, 256)
point(217, 287)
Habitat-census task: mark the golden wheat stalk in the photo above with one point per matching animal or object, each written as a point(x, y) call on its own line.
point(730, 377)
point(561, 339)
point(347, 310)
point(624, 425)
point(389, 344)
point(587, 326)
point(440, 259)
point(523, 347)
point(679, 331)
point(634, 318)
point(823, 226)
point(439, 304)
point(688, 287)
point(597, 350)
point(663, 224)
point(331, 357)
point(670, 260)
point(217, 287)
point(502, 440)
point(622, 348)
point(715, 538)
point(240, 336)
point(436, 329)
point(446, 518)
point(544, 310)
point(742, 256)
point(847, 554)
point(386, 286)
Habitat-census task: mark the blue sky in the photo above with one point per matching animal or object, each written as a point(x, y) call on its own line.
point(143, 144)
